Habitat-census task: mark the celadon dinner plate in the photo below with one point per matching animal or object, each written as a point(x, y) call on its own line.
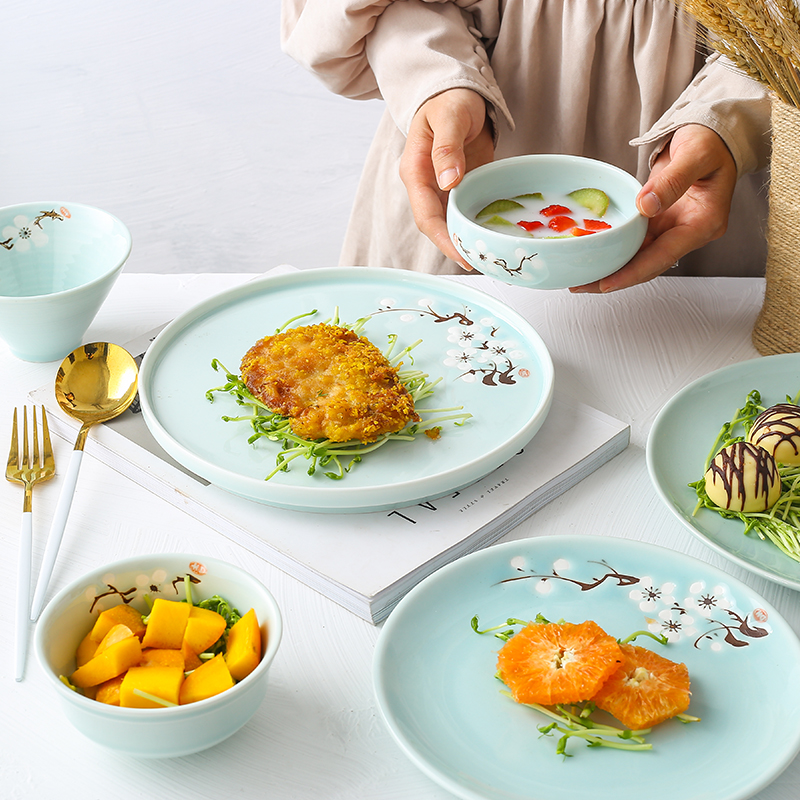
point(682, 437)
point(435, 685)
point(491, 362)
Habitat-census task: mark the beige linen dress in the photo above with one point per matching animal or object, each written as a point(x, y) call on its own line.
point(609, 80)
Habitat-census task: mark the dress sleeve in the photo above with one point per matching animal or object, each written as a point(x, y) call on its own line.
point(328, 38)
point(405, 51)
point(731, 104)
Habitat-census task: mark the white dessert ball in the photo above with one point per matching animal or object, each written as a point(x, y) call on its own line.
point(743, 477)
point(777, 430)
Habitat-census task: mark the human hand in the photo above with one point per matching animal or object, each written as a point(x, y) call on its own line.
point(687, 198)
point(449, 135)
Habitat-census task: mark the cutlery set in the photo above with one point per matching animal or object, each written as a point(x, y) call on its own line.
point(95, 383)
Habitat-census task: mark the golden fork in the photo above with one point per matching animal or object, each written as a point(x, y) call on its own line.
point(29, 469)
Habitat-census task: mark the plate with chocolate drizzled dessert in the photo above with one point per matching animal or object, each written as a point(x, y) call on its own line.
point(724, 455)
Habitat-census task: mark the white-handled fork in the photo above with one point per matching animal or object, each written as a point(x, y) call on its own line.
point(28, 467)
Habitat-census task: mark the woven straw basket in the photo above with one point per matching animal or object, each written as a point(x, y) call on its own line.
point(777, 329)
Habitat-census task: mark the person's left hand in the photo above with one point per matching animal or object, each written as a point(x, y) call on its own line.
point(687, 198)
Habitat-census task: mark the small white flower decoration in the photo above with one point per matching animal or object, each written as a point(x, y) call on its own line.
point(24, 233)
point(498, 349)
point(518, 562)
point(648, 595)
point(484, 256)
point(463, 359)
point(673, 623)
point(706, 600)
point(464, 336)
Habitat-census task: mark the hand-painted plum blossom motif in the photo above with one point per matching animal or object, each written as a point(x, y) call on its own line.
point(156, 582)
point(481, 353)
point(24, 232)
point(483, 255)
point(707, 614)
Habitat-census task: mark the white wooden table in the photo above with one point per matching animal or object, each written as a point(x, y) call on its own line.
point(319, 734)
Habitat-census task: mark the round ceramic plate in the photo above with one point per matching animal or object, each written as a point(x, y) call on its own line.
point(682, 437)
point(435, 684)
point(490, 359)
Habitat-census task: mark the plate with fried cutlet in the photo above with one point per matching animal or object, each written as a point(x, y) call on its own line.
point(346, 390)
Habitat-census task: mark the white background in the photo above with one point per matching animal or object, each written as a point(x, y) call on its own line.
point(185, 120)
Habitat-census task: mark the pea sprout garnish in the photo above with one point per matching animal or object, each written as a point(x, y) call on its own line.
point(335, 459)
point(780, 524)
point(160, 701)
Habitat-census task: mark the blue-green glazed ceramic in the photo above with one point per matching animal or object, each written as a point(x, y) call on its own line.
point(547, 263)
point(155, 732)
point(58, 262)
point(435, 678)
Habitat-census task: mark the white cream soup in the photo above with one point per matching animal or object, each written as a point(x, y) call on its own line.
point(549, 215)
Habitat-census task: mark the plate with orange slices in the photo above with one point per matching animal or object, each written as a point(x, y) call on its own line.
point(436, 686)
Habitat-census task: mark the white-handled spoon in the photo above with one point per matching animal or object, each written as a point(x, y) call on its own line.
point(95, 383)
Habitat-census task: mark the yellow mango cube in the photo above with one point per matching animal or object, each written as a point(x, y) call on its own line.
point(86, 649)
point(153, 657)
point(166, 625)
point(191, 660)
point(112, 662)
point(108, 691)
point(207, 680)
point(162, 682)
point(203, 628)
point(118, 615)
point(116, 634)
point(244, 646)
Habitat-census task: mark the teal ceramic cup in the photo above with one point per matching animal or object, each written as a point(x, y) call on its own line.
point(545, 263)
point(58, 262)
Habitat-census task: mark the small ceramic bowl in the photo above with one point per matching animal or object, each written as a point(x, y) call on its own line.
point(58, 262)
point(545, 263)
point(155, 732)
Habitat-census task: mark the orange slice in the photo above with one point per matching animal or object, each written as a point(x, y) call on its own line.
point(558, 662)
point(645, 690)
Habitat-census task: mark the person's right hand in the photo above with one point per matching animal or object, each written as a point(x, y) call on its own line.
point(450, 134)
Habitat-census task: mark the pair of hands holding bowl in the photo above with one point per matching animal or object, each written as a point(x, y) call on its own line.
point(686, 198)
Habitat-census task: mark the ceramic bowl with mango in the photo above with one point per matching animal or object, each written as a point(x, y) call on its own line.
point(162, 655)
point(546, 221)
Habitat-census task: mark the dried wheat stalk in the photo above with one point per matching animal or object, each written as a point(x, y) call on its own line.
point(760, 37)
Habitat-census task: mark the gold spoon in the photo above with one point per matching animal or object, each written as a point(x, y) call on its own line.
point(95, 383)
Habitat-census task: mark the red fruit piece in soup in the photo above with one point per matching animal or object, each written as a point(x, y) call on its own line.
point(595, 225)
point(555, 210)
point(530, 225)
point(561, 224)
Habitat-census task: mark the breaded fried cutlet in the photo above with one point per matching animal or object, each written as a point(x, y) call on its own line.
point(332, 383)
